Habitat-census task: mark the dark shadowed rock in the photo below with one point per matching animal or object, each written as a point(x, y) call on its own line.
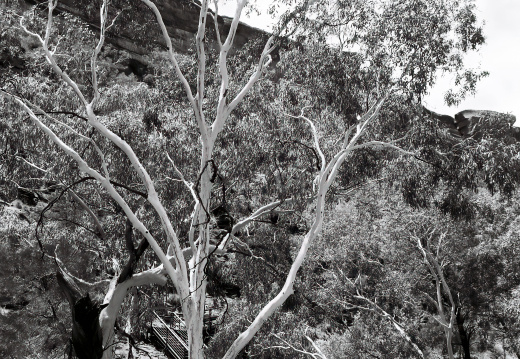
point(181, 18)
point(137, 31)
point(478, 124)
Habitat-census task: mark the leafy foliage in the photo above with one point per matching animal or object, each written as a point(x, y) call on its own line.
point(364, 265)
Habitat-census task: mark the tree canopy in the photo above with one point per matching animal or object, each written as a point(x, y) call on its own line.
point(295, 182)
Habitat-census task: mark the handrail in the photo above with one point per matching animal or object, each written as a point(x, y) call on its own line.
point(180, 324)
point(178, 337)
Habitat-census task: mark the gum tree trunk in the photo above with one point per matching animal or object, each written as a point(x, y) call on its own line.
point(463, 334)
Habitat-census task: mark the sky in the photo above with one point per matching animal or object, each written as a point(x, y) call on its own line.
point(500, 56)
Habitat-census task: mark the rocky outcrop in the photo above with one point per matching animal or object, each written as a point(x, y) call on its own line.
point(181, 18)
point(476, 123)
point(135, 31)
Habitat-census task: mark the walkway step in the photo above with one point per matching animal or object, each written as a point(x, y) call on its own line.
point(171, 339)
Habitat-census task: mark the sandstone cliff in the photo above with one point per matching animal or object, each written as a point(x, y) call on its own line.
point(181, 18)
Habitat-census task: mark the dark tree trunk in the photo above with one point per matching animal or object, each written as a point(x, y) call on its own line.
point(463, 335)
point(87, 338)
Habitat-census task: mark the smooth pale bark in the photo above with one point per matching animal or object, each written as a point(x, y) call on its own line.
point(325, 180)
point(92, 215)
point(114, 299)
point(446, 321)
point(317, 355)
point(189, 278)
point(193, 304)
point(177, 271)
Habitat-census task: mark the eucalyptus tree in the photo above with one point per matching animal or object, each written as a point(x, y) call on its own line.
point(401, 44)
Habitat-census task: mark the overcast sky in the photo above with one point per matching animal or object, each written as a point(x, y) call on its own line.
point(500, 56)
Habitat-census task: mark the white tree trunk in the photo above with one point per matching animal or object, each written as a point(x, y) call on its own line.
point(188, 278)
point(446, 321)
point(114, 299)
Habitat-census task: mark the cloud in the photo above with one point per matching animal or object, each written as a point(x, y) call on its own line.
point(500, 91)
point(500, 56)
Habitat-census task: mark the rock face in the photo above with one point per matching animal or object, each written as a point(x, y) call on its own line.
point(181, 18)
point(476, 123)
point(137, 32)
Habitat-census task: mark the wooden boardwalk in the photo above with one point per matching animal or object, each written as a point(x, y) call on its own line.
point(170, 331)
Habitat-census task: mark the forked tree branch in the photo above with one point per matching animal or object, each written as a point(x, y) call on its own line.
point(84, 167)
point(179, 274)
point(317, 355)
point(202, 125)
point(327, 175)
point(447, 322)
point(256, 214)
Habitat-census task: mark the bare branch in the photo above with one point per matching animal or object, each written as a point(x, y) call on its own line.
point(123, 145)
point(264, 62)
point(62, 267)
point(201, 55)
point(32, 164)
point(400, 328)
point(319, 352)
point(181, 176)
point(326, 177)
point(440, 285)
point(202, 125)
point(92, 215)
point(222, 108)
point(50, 56)
point(318, 355)
point(259, 212)
point(103, 14)
point(83, 166)
point(215, 22)
point(315, 136)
